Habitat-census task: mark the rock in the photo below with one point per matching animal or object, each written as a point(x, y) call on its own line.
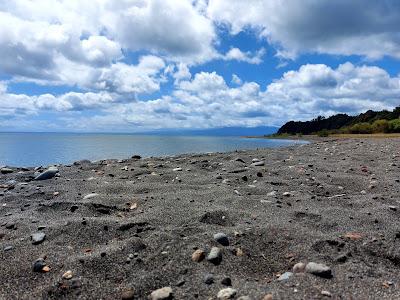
point(164, 293)
point(136, 157)
point(226, 281)
point(48, 174)
point(221, 238)
point(299, 268)
point(38, 238)
point(38, 265)
point(177, 169)
point(244, 178)
point(215, 256)
point(128, 294)
point(392, 207)
point(11, 226)
point(285, 276)
point(198, 255)
point(244, 298)
point(258, 164)
point(268, 297)
point(228, 293)
point(90, 196)
point(271, 194)
point(68, 275)
point(240, 160)
point(8, 248)
point(259, 174)
point(208, 278)
point(320, 270)
point(6, 170)
point(286, 194)
point(326, 293)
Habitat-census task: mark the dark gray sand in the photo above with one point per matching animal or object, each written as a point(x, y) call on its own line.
point(331, 202)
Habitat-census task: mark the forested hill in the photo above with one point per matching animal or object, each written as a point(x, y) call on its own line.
point(346, 123)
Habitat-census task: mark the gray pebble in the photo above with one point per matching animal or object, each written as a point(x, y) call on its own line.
point(38, 238)
point(215, 256)
point(221, 238)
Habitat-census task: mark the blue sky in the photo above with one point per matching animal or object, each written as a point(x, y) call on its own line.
point(138, 65)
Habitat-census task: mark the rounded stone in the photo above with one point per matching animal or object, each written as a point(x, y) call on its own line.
point(221, 238)
point(164, 293)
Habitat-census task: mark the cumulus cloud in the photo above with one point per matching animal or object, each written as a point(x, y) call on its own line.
point(207, 100)
point(248, 57)
point(334, 27)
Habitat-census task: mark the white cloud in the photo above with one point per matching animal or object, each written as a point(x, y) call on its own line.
point(248, 57)
point(334, 27)
point(236, 79)
point(208, 101)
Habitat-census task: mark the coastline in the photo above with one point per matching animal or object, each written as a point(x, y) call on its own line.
point(133, 224)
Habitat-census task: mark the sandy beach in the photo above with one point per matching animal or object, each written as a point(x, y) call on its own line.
point(125, 229)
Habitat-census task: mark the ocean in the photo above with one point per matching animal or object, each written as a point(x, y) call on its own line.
point(43, 149)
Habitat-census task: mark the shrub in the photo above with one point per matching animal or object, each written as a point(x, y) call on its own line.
point(380, 126)
point(362, 128)
point(394, 126)
point(323, 133)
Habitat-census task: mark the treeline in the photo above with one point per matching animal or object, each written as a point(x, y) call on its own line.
point(368, 122)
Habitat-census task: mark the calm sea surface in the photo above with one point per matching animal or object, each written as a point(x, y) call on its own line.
point(34, 149)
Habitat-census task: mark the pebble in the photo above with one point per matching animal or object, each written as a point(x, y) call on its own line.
point(68, 275)
point(48, 174)
point(221, 238)
point(299, 268)
point(90, 196)
point(320, 270)
point(198, 255)
point(215, 256)
point(208, 278)
point(285, 276)
point(128, 294)
point(8, 248)
point(38, 265)
point(226, 281)
point(164, 293)
point(38, 238)
point(326, 293)
point(228, 293)
point(6, 170)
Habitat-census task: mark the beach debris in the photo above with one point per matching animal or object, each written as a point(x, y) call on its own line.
point(38, 238)
point(48, 174)
point(198, 255)
point(221, 238)
point(215, 256)
point(225, 294)
point(164, 293)
point(320, 270)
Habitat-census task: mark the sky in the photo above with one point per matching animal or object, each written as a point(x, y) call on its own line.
point(139, 65)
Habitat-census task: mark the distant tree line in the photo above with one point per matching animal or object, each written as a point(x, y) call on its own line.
point(369, 122)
